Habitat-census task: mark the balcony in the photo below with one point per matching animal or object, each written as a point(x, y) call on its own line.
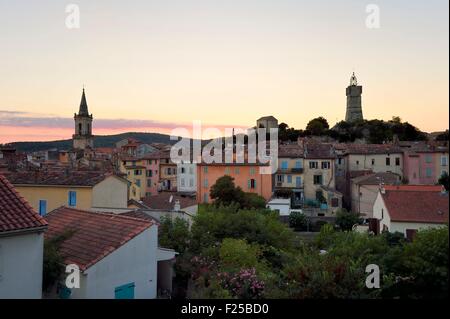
point(290, 170)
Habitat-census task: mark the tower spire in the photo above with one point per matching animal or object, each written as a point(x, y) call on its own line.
point(83, 105)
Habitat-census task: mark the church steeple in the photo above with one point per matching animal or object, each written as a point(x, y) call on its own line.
point(83, 137)
point(83, 106)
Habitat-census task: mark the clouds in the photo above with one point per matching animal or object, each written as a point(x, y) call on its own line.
point(38, 122)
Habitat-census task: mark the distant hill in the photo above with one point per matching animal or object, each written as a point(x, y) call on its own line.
point(99, 141)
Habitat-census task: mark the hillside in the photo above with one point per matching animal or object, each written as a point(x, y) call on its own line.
point(99, 141)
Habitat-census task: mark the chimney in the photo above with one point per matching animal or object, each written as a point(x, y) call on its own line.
point(177, 206)
point(382, 189)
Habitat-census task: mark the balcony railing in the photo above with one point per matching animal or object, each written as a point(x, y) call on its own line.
point(290, 170)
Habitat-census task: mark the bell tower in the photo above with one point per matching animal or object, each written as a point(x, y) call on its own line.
point(83, 137)
point(354, 108)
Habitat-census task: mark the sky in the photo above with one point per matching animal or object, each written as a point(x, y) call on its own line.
point(156, 65)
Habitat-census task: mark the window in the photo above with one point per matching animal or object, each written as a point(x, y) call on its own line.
point(42, 207)
point(298, 181)
point(284, 165)
point(388, 161)
point(313, 165)
point(428, 158)
point(326, 165)
point(251, 183)
point(191, 182)
point(410, 234)
point(357, 162)
point(149, 162)
point(148, 194)
point(252, 171)
point(191, 170)
point(339, 161)
point(137, 182)
point(397, 161)
point(298, 164)
point(280, 178)
point(428, 172)
point(317, 179)
point(289, 179)
point(319, 195)
point(205, 183)
point(205, 169)
point(443, 160)
point(227, 171)
point(72, 198)
point(373, 161)
point(382, 213)
point(335, 202)
point(182, 169)
point(237, 170)
point(149, 183)
point(149, 173)
point(137, 172)
point(182, 182)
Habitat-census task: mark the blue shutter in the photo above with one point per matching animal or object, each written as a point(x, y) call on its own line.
point(42, 207)
point(72, 198)
point(255, 183)
point(125, 291)
point(249, 184)
point(298, 181)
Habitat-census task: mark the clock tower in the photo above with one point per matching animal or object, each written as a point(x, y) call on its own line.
point(354, 108)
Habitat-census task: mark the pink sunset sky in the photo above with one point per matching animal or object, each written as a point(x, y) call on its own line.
point(156, 65)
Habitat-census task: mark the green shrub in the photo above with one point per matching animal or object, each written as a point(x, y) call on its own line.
point(297, 220)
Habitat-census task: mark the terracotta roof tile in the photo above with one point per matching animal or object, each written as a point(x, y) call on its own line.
point(162, 201)
point(95, 235)
point(416, 203)
point(54, 177)
point(15, 212)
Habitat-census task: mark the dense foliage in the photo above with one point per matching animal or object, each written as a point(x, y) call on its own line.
point(373, 131)
point(238, 253)
point(345, 220)
point(53, 265)
point(444, 180)
point(225, 193)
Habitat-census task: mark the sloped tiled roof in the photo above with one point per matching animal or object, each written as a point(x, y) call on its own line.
point(372, 149)
point(377, 178)
point(93, 235)
point(162, 201)
point(140, 214)
point(60, 178)
point(416, 203)
point(290, 150)
point(15, 212)
point(319, 151)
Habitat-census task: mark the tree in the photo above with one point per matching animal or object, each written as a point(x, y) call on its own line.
point(428, 260)
point(224, 192)
point(345, 220)
point(317, 126)
point(174, 234)
point(53, 264)
point(444, 181)
point(297, 220)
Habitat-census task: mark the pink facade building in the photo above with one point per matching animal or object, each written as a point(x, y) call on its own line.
point(424, 165)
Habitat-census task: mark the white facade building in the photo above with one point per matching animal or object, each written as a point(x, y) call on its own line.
point(187, 178)
point(21, 246)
